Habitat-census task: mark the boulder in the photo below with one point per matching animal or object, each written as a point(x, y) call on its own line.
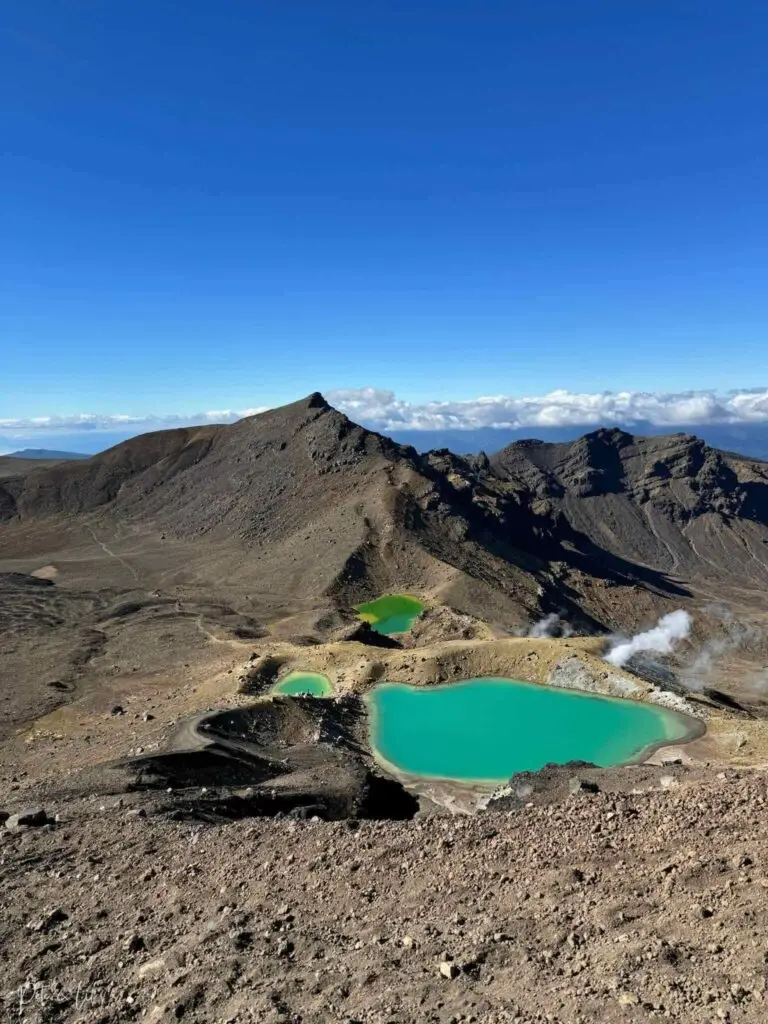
point(32, 817)
point(577, 785)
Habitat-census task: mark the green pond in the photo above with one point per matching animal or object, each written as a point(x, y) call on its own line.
point(313, 683)
point(485, 730)
point(392, 613)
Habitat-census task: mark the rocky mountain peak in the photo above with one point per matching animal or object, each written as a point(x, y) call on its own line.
point(609, 436)
point(317, 401)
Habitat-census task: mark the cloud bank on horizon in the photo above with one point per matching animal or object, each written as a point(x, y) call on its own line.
point(560, 408)
point(382, 410)
point(98, 423)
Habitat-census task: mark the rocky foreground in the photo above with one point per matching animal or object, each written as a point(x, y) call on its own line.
point(605, 907)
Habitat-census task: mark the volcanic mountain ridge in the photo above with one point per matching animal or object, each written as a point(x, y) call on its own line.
point(301, 501)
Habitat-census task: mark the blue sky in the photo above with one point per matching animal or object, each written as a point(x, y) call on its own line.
point(224, 206)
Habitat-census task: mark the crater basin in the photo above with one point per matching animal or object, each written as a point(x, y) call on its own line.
point(485, 730)
point(313, 683)
point(390, 614)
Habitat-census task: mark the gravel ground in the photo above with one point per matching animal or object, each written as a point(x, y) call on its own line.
point(605, 907)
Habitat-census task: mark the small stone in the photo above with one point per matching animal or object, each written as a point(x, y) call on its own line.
point(242, 939)
point(47, 921)
point(448, 970)
point(627, 999)
point(152, 967)
point(577, 785)
point(407, 941)
point(118, 709)
point(134, 944)
point(284, 947)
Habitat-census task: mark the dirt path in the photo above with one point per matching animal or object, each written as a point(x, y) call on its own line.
point(660, 539)
point(112, 554)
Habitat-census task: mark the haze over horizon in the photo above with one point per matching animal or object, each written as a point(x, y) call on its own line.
point(410, 207)
point(737, 420)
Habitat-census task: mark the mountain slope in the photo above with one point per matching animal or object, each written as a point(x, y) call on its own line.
point(670, 503)
point(301, 508)
point(298, 501)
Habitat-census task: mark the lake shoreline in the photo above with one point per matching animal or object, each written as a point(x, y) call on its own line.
point(690, 728)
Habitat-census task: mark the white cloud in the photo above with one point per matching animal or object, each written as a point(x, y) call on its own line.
point(383, 410)
point(104, 423)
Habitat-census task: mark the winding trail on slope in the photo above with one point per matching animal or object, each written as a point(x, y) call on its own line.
point(660, 539)
point(112, 554)
point(702, 558)
point(754, 557)
point(229, 641)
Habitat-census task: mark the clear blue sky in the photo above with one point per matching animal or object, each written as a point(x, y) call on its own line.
point(229, 204)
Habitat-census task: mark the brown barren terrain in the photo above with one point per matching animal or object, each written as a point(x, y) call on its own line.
point(151, 595)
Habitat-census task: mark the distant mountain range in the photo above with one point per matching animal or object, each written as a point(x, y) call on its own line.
point(745, 438)
point(749, 439)
point(46, 454)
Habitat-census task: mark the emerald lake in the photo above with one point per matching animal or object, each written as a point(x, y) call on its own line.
point(485, 730)
point(313, 683)
point(392, 613)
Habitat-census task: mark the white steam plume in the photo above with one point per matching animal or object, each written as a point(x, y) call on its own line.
point(736, 635)
point(662, 638)
point(757, 683)
point(551, 625)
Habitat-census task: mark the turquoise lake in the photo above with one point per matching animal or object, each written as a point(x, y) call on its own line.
point(313, 683)
point(485, 730)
